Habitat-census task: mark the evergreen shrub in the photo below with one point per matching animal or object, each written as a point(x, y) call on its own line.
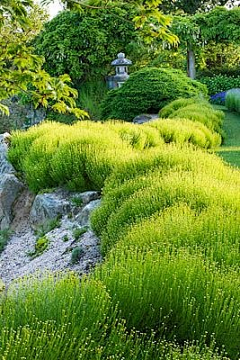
point(147, 91)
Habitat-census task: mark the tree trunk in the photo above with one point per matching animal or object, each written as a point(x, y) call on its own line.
point(191, 63)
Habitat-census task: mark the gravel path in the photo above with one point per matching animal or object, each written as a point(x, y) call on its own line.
point(15, 261)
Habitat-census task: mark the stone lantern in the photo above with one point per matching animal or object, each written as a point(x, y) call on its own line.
point(121, 67)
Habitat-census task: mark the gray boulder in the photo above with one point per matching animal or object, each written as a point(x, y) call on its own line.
point(143, 118)
point(86, 196)
point(5, 166)
point(83, 217)
point(48, 206)
point(10, 187)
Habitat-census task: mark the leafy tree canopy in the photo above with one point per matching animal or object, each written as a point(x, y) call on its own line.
point(148, 18)
point(196, 32)
point(192, 6)
point(219, 25)
point(20, 68)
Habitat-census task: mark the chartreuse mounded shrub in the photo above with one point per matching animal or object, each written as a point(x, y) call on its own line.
point(79, 156)
point(179, 295)
point(136, 174)
point(182, 131)
point(199, 191)
point(195, 110)
point(169, 226)
point(59, 318)
point(149, 90)
point(21, 141)
point(232, 100)
point(213, 233)
point(139, 137)
point(181, 103)
point(83, 156)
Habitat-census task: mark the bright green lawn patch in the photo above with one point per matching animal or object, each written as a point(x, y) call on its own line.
point(230, 151)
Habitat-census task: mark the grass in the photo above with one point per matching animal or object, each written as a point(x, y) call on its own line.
point(230, 150)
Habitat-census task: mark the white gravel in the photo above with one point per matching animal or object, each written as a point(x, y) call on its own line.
point(15, 261)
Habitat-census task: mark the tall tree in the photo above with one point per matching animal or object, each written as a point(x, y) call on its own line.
point(219, 26)
point(20, 68)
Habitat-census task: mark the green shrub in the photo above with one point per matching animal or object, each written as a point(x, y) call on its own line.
point(76, 254)
point(219, 83)
point(180, 103)
point(79, 156)
point(182, 131)
point(138, 137)
point(213, 233)
point(148, 90)
point(21, 141)
point(195, 110)
point(40, 246)
point(169, 157)
point(178, 295)
point(232, 101)
point(199, 191)
point(59, 318)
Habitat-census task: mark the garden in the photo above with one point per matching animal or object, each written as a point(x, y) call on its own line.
point(169, 220)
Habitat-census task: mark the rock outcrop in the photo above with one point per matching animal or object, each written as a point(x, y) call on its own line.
point(143, 118)
point(10, 186)
point(5, 166)
point(48, 206)
point(83, 217)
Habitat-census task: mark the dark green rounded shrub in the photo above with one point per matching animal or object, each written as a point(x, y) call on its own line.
point(148, 90)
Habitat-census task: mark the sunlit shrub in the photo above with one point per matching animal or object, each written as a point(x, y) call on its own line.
point(198, 110)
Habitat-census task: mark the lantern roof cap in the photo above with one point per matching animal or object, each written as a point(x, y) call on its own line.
point(121, 60)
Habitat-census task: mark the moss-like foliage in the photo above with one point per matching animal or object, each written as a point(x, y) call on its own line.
point(148, 90)
point(195, 110)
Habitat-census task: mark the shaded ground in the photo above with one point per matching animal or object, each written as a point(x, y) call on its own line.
point(230, 150)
